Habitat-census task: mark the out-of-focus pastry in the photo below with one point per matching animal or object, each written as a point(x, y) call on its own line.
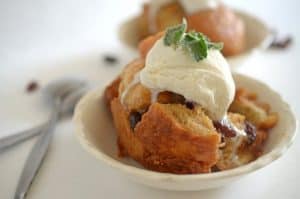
point(210, 17)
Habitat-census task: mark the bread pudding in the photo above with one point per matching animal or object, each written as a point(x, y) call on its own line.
point(176, 108)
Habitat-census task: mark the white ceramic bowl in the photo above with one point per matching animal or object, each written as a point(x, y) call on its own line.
point(258, 37)
point(96, 133)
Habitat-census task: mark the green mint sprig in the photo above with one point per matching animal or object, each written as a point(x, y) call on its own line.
point(195, 43)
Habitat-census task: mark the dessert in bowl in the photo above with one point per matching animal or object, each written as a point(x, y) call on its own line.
point(188, 123)
point(241, 33)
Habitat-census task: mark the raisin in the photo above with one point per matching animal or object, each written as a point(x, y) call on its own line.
point(281, 43)
point(110, 59)
point(134, 118)
point(215, 169)
point(251, 132)
point(189, 105)
point(224, 129)
point(32, 86)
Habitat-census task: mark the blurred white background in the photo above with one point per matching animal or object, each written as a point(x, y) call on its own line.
point(47, 39)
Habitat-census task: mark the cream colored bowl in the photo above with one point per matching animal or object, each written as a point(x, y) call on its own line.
point(96, 133)
point(258, 37)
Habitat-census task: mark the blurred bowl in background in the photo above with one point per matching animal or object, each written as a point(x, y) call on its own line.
point(258, 37)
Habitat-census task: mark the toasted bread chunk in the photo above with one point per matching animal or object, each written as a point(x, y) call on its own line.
point(127, 141)
point(129, 73)
point(182, 140)
point(112, 90)
point(138, 98)
point(169, 138)
point(240, 150)
point(256, 112)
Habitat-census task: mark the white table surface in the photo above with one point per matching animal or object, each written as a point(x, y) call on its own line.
point(47, 39)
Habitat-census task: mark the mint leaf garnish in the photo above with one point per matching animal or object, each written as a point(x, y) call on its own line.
point(215, 46)
point(195, 43)
point(174, 34)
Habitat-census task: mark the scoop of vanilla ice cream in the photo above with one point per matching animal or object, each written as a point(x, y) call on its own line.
point(207, 82)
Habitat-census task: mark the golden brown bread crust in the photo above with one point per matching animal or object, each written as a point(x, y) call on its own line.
point(176, 148)
point(256, 112)
point(129, 72)
point(138, 97)
point(112, 90)
point(127, 141)
point(161, 143)
point(220, 25)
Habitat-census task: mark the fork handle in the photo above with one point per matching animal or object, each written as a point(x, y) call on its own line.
point(36, 156)
point(14, 139)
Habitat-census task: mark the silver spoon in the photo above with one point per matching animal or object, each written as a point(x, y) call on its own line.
point(21, 136)
point(63, 96)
